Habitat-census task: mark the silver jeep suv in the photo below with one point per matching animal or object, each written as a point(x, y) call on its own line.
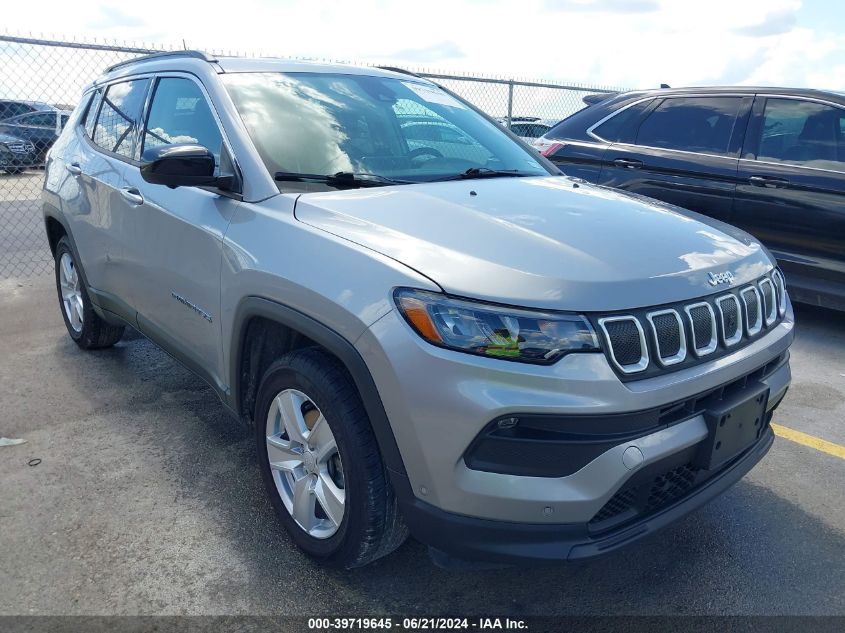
point(443, 336)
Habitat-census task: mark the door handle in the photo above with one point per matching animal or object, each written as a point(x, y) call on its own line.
point(628, 163)
point(768, 181)
point(132, 196)
point(74, 168)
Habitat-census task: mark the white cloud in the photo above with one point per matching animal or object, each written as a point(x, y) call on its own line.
point(773, 23)
point(603, 6)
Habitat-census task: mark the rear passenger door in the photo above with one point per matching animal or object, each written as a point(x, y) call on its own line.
point(175, 253)
point(792, 190)
point(102, 227)
point(581, 156)
point(684, 151)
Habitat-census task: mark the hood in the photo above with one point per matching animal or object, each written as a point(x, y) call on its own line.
point(548, 242)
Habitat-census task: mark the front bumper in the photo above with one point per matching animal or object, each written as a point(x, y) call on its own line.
point(471, 538)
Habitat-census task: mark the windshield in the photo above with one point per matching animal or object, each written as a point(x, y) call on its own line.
point(396, 129)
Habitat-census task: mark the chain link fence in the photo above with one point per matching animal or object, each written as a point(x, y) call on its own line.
point(42, 80)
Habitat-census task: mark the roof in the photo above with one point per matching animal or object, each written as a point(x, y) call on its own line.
point(221, 64)
point(269, 64)
point(796, 92)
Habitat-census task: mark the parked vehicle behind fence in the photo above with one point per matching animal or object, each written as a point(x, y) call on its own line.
point(529, 128)
point(433, 332)
point(16, 154)
point(768, 160)
point(41, 129)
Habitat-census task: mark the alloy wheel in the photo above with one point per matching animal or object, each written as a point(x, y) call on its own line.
point(71, 289)
point(305, 463)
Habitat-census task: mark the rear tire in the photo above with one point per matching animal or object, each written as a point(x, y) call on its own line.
point(312, 384)
point(84, 325)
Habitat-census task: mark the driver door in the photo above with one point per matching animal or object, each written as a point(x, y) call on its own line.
point(176, 254)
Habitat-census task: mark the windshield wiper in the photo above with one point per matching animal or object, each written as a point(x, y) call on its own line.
point(341, 180)
point(474, 173)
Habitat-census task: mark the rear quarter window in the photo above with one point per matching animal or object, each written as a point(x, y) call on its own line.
point(91, 113)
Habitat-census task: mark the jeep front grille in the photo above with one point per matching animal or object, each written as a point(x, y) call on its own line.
point(668, 331)
point(730, 319)
point(653, 340)
point(780, 286)
point(770, 306)
point(702, 322)
point(628, 348)
point(753, 316)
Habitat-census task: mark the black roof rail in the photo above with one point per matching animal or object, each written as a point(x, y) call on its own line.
point(396, 69)
point(192, 54)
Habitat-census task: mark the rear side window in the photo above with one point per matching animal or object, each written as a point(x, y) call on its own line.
point(120, 112)
point(9, 109)
point(180, 114)
point(42, 119)
point(694, 124)
point(803, 133)
point(620, 127)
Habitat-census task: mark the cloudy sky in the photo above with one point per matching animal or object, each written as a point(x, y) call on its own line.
point(624, 43)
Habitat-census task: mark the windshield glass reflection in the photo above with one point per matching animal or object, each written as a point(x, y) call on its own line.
point(322, 123)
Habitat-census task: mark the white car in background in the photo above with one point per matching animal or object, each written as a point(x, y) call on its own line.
point(429, 137)
point(529, 128)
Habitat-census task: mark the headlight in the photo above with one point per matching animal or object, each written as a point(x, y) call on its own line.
point(497, 331)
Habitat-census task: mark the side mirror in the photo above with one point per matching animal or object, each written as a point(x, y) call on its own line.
point(179, 165)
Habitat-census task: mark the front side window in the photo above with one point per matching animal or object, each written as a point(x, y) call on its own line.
point(325, 123)
point(693, 124)
point(120, 112)
point(803, 133)
point(180, 114)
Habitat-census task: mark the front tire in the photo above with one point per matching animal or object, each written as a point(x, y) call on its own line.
point(84, 325)
point(321, 464)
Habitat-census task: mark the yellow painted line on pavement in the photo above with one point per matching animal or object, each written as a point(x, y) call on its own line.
point(809, 440)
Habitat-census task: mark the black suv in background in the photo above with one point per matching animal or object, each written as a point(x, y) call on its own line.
point(769, 160)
